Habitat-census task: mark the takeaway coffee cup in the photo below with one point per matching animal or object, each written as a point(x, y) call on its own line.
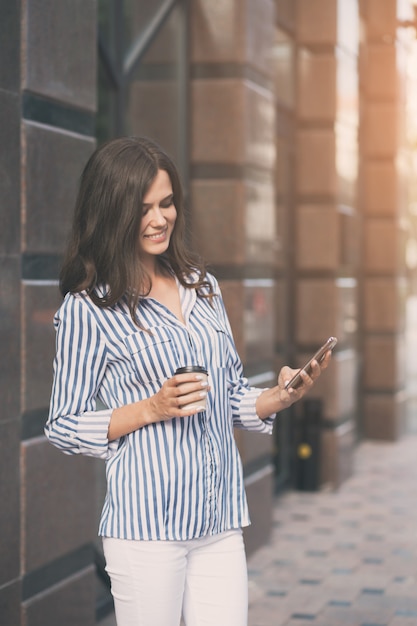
point(199, 405)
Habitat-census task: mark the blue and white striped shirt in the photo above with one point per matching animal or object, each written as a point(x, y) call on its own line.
point(176, 479)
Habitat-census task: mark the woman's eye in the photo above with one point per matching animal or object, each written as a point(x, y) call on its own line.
point(167, 203)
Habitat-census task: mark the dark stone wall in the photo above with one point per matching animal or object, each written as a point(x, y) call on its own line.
point(47, 129)
point(10, 584)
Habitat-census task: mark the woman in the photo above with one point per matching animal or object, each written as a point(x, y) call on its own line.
point(137, 306)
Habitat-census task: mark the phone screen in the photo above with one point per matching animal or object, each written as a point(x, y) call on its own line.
point(317, 356)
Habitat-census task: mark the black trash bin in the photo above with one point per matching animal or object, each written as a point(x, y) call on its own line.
point(307, 442)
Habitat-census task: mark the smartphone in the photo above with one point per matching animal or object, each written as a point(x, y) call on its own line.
point(318, 356)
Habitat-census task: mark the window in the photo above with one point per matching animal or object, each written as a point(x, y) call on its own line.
point(142, 77)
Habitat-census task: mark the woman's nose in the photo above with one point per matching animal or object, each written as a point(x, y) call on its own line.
point(157, 216)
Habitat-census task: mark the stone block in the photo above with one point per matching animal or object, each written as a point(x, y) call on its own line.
point(316, 167)
point(316, 84)
point(217, 32)
point(379, 188)
point(379, 129)
point(325, 307)
point(152, 106)
point(70, 603)
point(316, 23)
point(54, 161)
point(10, 607)
point(10, 172)
point(242, 115)
point(59, 511)
point(316, 310)
point(384, 362)
point(40, 302)
point(381, 245)
point(246, 232)
point(285, 13)
point(218, 110)
point(380, 71)
point(10, 48)
point(10, 372)
point(318, 237)
point(384, 305)
point(10, 509)
point(226, 33)
point(217, 234)
point(60, 44)
point(384, 416)
point(381, 18)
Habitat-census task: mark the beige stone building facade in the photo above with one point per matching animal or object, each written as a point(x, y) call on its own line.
point(292, 122)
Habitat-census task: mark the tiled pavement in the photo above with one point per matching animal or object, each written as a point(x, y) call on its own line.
point(344, 558)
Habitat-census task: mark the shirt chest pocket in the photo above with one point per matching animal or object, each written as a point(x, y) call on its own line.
point(153, 355)
point(214, 342)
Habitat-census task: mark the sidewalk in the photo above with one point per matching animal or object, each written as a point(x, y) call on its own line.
point(347, 557)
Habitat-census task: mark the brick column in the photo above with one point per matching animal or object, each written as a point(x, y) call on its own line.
point(232, 196)
point(382, 205)
point(325, 219)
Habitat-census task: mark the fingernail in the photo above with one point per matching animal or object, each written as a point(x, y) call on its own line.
point(202, 394)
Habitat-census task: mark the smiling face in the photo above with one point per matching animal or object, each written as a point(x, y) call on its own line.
point(158, 219)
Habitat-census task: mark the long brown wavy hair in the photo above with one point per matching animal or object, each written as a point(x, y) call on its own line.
point(102, 256)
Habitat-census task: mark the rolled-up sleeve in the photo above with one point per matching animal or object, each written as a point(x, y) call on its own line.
point(243, 403)
point(74, 426)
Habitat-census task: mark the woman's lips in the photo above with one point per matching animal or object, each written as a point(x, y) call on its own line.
point(157, 236)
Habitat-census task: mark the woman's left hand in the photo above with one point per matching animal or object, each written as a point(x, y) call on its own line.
point(280, 397)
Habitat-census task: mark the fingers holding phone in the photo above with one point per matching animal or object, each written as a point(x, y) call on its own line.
point(311, 370)
point(293, 384)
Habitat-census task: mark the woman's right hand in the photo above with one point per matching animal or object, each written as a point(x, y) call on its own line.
point(175, 393)
point(167, 403)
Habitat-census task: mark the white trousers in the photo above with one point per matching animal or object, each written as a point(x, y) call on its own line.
point(154, 582)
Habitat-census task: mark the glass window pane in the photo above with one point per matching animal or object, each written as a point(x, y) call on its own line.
point(105, 12)
point(137, 16)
